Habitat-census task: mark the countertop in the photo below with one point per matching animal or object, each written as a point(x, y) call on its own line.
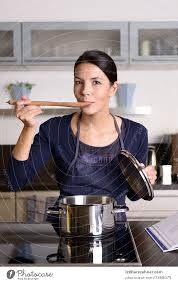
point(150, 254)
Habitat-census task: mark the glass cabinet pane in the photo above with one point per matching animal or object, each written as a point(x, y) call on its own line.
point(158, 42)
point(6, 44)
point(65, 41)
point(155, 42)
point(71, 43)
point(10, 43)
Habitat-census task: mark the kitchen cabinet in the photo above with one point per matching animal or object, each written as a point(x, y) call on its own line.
point(10, 43)
point(32, 206)
point(46, 43)
point(7, 207)
point(162, 205)
point(59, 42)
point(154, 42)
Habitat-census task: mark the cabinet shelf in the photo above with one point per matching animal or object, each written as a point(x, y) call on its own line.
point(6, 106)
point(137, 110)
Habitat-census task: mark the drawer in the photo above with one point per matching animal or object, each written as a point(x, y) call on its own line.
point(31, 206)
point(7, 207)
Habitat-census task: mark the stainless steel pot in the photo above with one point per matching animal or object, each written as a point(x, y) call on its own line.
point(87, 215)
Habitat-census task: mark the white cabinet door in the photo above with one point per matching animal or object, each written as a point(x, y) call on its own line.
point(164, 204)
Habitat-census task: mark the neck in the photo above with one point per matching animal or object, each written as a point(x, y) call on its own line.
point(97, 120)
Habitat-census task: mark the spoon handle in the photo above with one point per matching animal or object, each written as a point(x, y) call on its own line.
point(53, 103)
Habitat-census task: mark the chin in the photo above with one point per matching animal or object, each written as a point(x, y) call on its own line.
point(89, 112)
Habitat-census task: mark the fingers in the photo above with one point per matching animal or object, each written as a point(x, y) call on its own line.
point(21, 103)
point(25, 115)
point(28, 119)
point(26, 112)
point(27, 109)
point(152, 180)
point(151, 173)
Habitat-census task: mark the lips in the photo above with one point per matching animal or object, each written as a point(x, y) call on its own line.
point(88, 101)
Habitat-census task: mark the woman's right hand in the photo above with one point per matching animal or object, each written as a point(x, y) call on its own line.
point(26, 112)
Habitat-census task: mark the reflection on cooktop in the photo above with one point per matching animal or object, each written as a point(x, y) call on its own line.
point(48, 249)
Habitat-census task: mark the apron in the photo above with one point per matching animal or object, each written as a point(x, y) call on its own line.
point(85, 172)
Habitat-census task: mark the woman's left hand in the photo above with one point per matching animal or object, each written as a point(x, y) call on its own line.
point(150, 172)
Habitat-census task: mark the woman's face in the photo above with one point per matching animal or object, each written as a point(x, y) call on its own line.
point(91, 84)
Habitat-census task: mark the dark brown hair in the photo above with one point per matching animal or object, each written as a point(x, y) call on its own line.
point(101, 60)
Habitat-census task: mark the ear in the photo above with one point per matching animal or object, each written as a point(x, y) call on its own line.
point(114, 88)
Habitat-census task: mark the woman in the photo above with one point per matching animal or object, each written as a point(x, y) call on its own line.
point(83, 146)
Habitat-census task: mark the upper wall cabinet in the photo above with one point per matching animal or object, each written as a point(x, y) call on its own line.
point(62, 42)
point(51, 42)
point(10, 43)
point(153, 42)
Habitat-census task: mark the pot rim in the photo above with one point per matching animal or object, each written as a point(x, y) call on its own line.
point(109, 200)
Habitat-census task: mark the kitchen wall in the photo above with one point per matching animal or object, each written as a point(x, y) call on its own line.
point(155, 86)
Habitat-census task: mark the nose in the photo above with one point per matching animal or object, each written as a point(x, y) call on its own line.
point(86, 90)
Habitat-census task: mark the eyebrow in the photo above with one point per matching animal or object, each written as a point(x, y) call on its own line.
point(91, 78)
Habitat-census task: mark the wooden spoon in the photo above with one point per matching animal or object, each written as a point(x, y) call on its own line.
point(53, 103)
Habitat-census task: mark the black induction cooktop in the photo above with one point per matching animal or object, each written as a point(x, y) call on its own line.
point(40, 244)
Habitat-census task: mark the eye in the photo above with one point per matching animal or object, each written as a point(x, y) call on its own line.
point(77, 82)
point(96, 82)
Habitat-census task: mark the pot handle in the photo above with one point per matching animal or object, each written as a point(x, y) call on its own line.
point(56, 212)
point(119, 209)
